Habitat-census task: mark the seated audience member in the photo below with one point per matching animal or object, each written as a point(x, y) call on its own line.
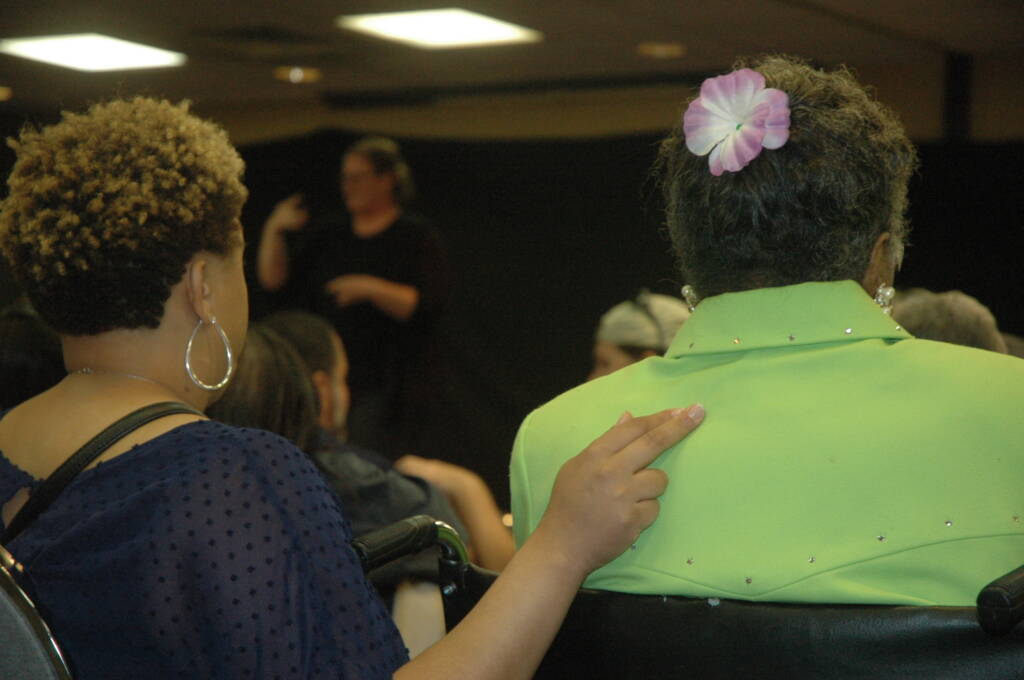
point(271, 390)
point(634, 330)
point(1014, 344)
point(948, 317)
point(268, 391)
point(844, 460)
point(30, 356)
point(381, 493)
point(194, 549)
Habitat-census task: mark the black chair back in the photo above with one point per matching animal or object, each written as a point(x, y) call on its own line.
point(27, 648)
point(616, 635)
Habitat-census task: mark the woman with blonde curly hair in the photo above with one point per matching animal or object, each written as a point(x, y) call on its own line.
point(190, 548)
point(846, 461)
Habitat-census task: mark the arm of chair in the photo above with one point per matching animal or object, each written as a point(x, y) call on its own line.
point(28, 649)
point(1001, 603)
point(406, 537)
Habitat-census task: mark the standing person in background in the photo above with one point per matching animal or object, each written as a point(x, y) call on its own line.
point(379, 276)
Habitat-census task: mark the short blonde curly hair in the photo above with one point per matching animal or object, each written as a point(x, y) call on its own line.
point(106, 208)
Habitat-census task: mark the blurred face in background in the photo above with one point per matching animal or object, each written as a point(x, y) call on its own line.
point(363, 188)
point(609, 357)
point(337, 400)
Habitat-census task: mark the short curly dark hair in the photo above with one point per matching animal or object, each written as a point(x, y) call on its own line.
point(809, 211)
point(107, 207)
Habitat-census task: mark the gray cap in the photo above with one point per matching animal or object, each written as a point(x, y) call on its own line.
point(649, 321)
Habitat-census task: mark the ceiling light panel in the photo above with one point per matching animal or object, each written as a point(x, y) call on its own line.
point(661, 50)
point(91, 52)
point(439, 28)
point(297, 74)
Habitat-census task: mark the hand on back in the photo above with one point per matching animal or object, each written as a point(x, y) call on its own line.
point(605, 496)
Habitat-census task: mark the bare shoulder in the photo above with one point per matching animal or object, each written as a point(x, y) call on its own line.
point(41, 433)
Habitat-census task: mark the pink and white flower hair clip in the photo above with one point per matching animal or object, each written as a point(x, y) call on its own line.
point(735, 117)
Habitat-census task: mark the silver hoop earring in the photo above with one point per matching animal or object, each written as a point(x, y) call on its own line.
point(884, 296)
point(690, 295)
point(227, 351)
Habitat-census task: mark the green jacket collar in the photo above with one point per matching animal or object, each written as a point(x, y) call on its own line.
point(804, 314)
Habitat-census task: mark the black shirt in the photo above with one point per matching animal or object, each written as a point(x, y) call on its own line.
point(408, 252)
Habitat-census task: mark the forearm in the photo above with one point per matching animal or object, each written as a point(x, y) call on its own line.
point(473, 503)
point(397, 300)
point(480, 514)
point(507, 633)
point(272, 260)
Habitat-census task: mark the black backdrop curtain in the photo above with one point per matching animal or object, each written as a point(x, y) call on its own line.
point(544, 236)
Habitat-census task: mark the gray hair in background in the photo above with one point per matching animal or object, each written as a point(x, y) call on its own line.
point(649, 321)
point(953, 317)
point(1014, 344)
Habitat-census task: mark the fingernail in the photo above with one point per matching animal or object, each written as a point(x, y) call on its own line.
point(626, 415)
point(695, 412)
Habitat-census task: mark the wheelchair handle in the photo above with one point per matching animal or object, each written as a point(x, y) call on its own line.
point(406, 537)
point(1001, 603)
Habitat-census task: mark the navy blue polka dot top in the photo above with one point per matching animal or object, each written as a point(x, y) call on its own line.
point(210, 551)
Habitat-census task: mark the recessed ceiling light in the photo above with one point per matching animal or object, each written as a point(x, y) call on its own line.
point(91, 52)
point(661, 50)
point(439, 28)
point(5, 93)
point(297, 74)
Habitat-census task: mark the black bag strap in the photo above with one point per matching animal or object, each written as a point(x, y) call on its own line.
point(53, 485)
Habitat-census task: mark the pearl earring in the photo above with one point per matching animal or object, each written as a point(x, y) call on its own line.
point(884, 296)
point(690, 295)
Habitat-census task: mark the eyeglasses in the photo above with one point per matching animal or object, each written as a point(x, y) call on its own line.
point(356, 177)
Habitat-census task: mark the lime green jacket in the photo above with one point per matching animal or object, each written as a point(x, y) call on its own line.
point(841, 460)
